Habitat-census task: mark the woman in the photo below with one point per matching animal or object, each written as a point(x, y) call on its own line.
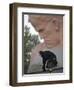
point(50, 28)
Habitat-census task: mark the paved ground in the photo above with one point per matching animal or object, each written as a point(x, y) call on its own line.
point(54, 70)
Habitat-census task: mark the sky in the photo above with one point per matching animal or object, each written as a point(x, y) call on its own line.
point(32, 29)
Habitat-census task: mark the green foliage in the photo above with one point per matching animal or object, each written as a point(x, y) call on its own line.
point(30, 41)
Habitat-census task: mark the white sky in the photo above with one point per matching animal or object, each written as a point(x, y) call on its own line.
point(32, 29)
